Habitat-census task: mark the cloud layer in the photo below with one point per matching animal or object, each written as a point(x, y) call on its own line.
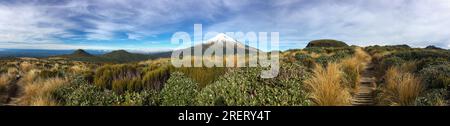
point(137, 24)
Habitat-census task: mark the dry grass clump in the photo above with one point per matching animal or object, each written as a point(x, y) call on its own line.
point(38, 92)
point(55, 67)
point(315, 55)
point(5, 79)
point(402, 88)
point(352, 68)
point(79, 68)
point(326, 86)
point(26, 66)
point(362, 56)
point(29, 77)
point(13, 71)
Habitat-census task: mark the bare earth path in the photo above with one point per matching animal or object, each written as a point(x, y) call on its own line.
point(11, 93)
point(364, 95)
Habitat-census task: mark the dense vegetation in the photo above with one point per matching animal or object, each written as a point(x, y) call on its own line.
point(424, 72)
point(326, 73)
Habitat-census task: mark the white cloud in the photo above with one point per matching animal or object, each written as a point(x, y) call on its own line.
point(368, 22)
point(25, 23)
point(415, 22)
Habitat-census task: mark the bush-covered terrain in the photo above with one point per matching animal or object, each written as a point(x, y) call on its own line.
point(327, 73)
point(429, 68)
point(326, 43)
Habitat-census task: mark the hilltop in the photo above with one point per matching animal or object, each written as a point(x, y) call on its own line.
point(79, 53)
point(326, 43)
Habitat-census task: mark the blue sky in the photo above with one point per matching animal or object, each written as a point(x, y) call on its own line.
point(148, 25)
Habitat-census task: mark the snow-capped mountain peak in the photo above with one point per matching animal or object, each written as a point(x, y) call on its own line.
point(221, 38)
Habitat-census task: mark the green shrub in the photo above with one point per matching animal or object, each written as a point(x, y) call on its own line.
point(390, 62)
point(81, 93)
point(305, 60)
point(421, 54)
point(142, 98)
point(424, 63)
point(437, 76)
point(245, 87)
point(434, 97)
point(179, 91)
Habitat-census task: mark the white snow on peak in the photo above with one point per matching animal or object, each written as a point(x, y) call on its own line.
point(221, 38)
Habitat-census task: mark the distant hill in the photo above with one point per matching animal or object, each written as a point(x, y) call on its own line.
point(43, 53)
point(433, 47)
point(117, 56)
point(79, 53)
point(326, 43)
point(124, 56)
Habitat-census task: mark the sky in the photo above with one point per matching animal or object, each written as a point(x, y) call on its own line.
point(148, 25)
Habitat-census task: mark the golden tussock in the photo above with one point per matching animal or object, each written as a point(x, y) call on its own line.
point(5, 79)
point(352, 68)
point(26, 66)
point(402, 88)
point(326, 86)
point(38, 92)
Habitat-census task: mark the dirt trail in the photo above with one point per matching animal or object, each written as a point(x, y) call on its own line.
point(12, 92)
point(364, 95)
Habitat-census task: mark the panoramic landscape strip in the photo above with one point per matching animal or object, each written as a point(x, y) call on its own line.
point(325, 73)
point(247, 53)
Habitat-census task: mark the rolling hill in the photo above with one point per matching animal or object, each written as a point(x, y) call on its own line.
point(117, 56)
point(124, 56)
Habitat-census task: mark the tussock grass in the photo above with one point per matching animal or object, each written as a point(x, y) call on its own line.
point(39, 92)
point(29, 77)
point(79, 68)
point(326, 86)
point(13, 71)
point(362, 56)
point(5, 79)
point(353, 66)
point(351, 69)
point(315, 55)
point(402, 88)
point(26, 66)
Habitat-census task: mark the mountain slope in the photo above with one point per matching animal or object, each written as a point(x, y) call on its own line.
point(224, 41)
